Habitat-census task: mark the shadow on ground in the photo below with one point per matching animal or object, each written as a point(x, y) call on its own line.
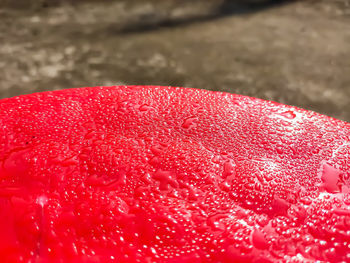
point(214, 10)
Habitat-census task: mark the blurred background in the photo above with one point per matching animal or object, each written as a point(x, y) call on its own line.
point(293, 52)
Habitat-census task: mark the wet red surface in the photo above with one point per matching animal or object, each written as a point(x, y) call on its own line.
point(145, 174)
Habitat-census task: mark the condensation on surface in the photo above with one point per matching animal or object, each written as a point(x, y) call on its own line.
point(144, 174)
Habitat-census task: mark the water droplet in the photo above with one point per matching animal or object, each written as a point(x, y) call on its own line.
point(107, 182)
point(229, 168)
point(259, 240)
point(156, 150)
point(215, 223)
point(165, 179)
point(288, 115)
point(145, 107)
point(330, 178)
point(17, 162)
point(189, 123)
point(279, 206)
point(279, 150)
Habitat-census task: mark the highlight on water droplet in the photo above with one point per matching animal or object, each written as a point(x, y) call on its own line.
point(42, 200)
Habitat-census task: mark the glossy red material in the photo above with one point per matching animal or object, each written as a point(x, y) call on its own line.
point(161, 174)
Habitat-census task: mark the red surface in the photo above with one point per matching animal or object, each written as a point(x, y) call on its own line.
point(157, 174)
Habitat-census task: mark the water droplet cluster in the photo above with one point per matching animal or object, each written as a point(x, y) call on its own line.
point(156, 174)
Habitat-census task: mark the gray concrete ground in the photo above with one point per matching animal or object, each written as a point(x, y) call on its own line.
point(296, 53)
